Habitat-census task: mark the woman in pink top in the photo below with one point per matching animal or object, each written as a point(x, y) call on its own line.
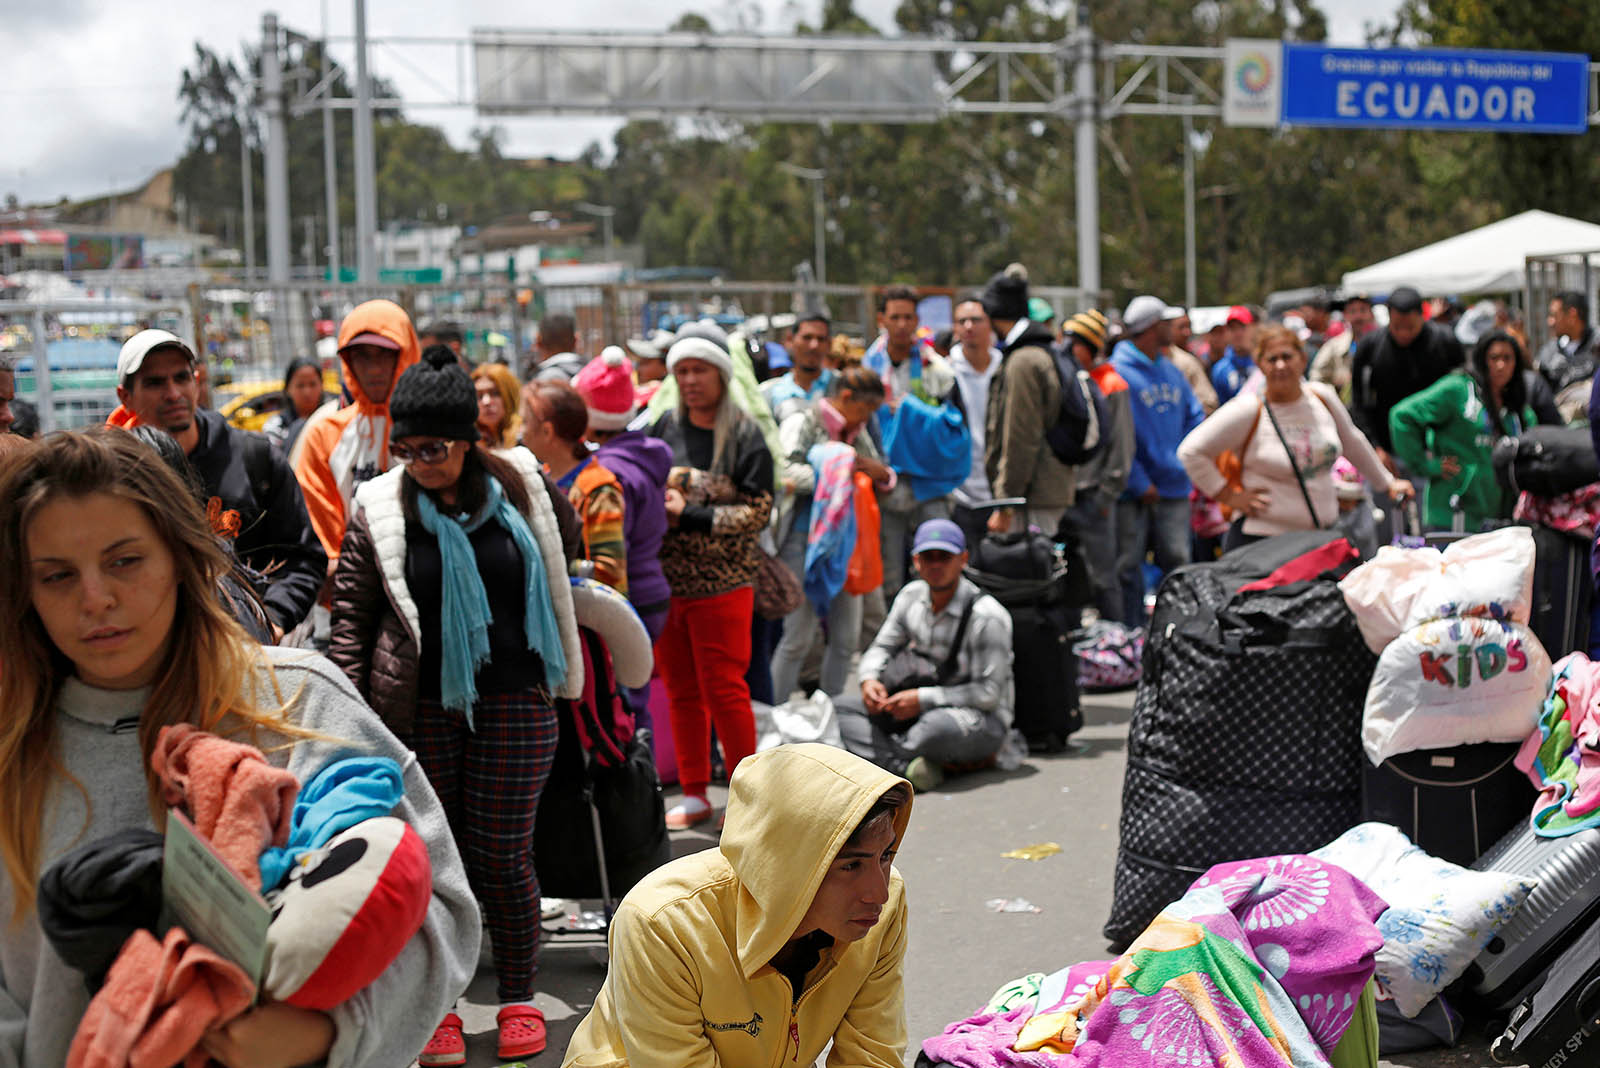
point(1288, 439)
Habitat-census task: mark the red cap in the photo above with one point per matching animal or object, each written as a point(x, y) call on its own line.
point(370, 338)
point(1240, 314)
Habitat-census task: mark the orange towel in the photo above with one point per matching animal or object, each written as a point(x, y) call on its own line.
point(159, 1000)
point(236, 800)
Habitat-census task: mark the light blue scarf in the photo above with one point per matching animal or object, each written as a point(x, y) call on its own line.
point(464, 616)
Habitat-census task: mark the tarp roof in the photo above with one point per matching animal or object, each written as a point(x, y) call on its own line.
point(1489, 259)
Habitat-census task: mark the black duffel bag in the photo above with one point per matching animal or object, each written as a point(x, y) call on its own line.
point(1546, 461)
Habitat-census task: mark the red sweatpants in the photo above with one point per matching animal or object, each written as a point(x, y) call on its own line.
point(703, 654)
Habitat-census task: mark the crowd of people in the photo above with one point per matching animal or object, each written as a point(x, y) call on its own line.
point(422, 531)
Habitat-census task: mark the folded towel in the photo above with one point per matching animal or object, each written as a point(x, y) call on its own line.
point(93, 898)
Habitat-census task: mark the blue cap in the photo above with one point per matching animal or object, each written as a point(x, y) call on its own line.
point(939, 535)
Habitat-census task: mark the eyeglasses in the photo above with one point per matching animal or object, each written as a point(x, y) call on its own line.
point(429, 452)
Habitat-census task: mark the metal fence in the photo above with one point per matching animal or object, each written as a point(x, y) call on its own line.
point(1558, 273)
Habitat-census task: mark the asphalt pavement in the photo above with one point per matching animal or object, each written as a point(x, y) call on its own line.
point(961, 948)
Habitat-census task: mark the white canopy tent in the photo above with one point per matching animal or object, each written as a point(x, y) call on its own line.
point(1490, 259)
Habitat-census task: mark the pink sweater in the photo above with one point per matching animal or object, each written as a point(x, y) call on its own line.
point(1318, 430)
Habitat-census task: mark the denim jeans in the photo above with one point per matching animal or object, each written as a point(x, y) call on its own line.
point(1162, 527)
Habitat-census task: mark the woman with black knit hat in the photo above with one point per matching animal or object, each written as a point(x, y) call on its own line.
point(453, 616)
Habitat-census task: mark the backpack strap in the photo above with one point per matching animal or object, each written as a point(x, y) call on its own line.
point(256, 452)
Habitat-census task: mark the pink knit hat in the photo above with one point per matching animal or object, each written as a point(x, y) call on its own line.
point(606, 385)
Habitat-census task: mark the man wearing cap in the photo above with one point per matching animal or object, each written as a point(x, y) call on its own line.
point(1391, 364)
point(1101, 481)
point(808, 377)
point(1183, 358)
point(1229, 374)
point(1024, 402)
point(340, 449)
point(936, 681)
point(253, 494)
point(1153, 512)
point(975, 358)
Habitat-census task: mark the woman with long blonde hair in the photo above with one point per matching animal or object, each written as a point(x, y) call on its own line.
point(111, 630)
point(499, 405)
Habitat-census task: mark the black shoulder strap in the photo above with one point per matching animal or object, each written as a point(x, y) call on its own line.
point(1294, 465)
point(947, 668)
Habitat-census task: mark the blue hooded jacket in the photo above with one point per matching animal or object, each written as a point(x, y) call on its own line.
point(1230, 373)
point(1164, 411)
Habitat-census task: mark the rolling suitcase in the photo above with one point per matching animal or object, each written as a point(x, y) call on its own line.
point(1044, 585)
point(1557, 1026)
point(1453, 803)
point(1563, 592)
point(1566, 901)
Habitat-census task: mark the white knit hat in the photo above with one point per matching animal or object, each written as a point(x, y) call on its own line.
point(699, 348)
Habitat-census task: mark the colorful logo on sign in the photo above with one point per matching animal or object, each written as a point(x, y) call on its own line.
point(1254, 73)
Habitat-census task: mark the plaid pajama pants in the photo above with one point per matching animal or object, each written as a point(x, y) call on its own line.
point(489, 779)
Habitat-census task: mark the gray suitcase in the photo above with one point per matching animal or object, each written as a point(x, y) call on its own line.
point(1566, 901)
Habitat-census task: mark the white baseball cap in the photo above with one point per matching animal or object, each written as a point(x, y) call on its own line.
point(1142, 313)
point(142, 344)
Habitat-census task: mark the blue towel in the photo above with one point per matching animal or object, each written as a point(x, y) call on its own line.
point(338, 797)
point(831, 536)
point(930, 444)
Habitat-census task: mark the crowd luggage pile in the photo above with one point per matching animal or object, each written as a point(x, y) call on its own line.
point(1360, 816)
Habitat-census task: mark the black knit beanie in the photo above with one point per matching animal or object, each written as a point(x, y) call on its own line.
point(1006, 295)
point(434, 399)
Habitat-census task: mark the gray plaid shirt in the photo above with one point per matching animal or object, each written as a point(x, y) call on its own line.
point(984, 659)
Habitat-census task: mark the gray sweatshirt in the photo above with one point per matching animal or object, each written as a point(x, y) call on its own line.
point(42, 999)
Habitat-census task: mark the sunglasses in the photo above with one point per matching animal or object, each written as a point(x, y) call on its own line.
point(429, 452)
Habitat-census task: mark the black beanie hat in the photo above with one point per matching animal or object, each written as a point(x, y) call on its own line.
point(434, 399)
point(1006, 295)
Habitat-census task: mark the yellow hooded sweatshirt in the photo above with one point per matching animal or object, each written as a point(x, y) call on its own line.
point(690, 984)
point(340, 448)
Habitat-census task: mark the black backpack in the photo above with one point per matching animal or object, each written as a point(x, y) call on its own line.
point(1079, 432)
point(1547, 461)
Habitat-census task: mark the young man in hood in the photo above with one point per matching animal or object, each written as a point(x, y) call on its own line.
point(1024, 400)
point(788, 936)
point(338, 450)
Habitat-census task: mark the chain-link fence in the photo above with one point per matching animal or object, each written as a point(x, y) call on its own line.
point(1571, 272)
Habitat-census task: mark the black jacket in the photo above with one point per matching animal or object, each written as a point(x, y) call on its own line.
point(1561, 368)
point(1383, 373)
point(245, 474)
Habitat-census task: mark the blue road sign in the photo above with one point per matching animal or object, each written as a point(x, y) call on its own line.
point(1505, 92)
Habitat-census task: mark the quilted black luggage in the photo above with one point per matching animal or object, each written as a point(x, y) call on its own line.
point(1559, 1026)
point(1245, 737)
point(1566, 901)
point(1453, 803)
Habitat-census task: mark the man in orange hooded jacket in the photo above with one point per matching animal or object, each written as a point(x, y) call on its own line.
point(342, 448)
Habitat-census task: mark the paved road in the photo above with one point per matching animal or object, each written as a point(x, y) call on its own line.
point(960, 950)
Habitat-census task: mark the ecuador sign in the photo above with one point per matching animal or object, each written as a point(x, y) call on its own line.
point(1313, 85)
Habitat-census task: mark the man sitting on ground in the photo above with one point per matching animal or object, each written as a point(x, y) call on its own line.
point(936, 682)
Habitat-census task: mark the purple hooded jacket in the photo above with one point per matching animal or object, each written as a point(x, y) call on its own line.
point(641, 463)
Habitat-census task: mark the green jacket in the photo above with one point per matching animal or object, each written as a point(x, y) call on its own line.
point(1449, 419)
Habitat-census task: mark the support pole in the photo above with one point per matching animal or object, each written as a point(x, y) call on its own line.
point(820, 224)
point(1085, 154)
point(366, 172)
point(247, 180)
point(276, 157)
point(1189, 267)
point(330, 173)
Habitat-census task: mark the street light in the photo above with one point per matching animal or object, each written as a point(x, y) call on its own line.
point(814, 175)
point(604, 214)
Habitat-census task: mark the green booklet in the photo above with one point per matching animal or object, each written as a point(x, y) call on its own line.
point(200, 893)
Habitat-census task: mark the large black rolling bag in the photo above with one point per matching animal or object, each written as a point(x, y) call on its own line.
point(1044, 587)
point(1453, 803)
point(1563, 592)
point(1246, 732)
point(1559, 1026)
point(1565, 902)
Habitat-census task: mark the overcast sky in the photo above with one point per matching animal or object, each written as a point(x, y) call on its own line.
point(90, 90)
